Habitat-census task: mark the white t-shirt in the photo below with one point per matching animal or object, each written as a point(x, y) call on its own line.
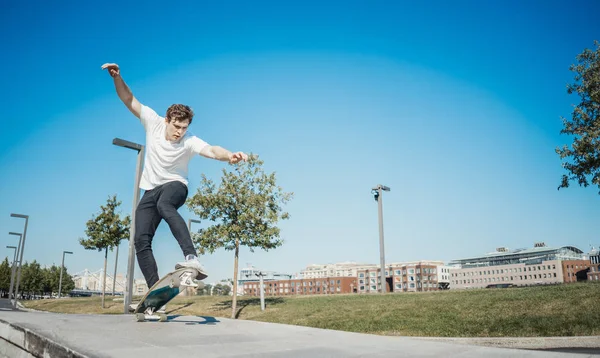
point(165, 161)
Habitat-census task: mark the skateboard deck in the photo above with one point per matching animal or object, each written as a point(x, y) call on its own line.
point(163, 291)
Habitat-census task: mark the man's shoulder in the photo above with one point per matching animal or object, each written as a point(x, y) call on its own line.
point(194, 142)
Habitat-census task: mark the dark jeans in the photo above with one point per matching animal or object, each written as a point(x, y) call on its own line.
point(160, 203)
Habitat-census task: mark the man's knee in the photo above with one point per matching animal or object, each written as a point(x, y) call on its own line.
point(141, 244)
point(166, 209)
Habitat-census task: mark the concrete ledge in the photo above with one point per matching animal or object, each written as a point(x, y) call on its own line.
point(537, 343)
point(22, 342)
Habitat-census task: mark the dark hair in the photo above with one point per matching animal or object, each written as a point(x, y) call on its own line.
point(180, 112)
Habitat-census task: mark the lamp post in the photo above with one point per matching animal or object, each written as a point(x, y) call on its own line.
point(190, 221)
point(62, 268)
point(136, 197)
point(14, 265)
point(22, 248)
point(377, 191)
point(15, 254)
point(260, 274)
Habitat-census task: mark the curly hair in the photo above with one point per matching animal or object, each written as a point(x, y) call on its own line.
point(180, 112)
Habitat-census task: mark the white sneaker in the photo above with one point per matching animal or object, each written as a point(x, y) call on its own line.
point(193, 262)
point(162, 309)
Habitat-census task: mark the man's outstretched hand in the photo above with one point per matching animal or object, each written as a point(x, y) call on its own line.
point(113, 69)
point(237, 157)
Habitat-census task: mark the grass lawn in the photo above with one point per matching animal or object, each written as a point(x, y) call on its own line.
point(562, 310)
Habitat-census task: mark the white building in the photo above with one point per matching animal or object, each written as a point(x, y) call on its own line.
point(342, 269)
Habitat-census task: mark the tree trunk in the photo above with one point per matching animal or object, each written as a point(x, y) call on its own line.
point(235, 280)
point(104, 276)
point(115, 276)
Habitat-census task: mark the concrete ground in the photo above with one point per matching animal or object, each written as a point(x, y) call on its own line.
point(43, 334)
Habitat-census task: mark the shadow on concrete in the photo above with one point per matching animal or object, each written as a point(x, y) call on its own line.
point(208, 320)
point(177, 309)
point(580, 350)
point(241, 304)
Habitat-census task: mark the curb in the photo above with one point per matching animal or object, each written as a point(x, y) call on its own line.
point(535, 343)
point(27, 343)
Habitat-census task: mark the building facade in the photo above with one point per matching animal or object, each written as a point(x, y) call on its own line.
point(342, 269)
point(594, 272)
point(310, 286)
point(523, 267)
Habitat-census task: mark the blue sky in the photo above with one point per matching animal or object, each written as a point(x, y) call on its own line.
point(455, 106)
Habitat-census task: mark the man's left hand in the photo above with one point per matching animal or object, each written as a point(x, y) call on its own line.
point(237, 157)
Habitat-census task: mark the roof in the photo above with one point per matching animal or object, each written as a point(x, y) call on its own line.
point(525, 252)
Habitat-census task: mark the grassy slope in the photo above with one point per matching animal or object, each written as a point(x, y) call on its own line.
point(564, 310)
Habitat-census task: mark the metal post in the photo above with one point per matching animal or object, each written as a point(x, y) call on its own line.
point(136, 198)
point(115, 275)
point(262, 292)
point(62, 268)
point(381, 243)
point(378, 196)
point(14, 266)
point(26, 217)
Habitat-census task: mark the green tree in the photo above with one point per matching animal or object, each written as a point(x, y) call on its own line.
point(5, 272)
point(205, 291)
point(245, 209)
point(583, 159)
point(32, 278)
point(222, 290)
point(105, 231)
point(53, 280)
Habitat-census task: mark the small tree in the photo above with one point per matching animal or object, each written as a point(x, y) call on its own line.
point(585, 122)
point(5, 272)
point(245, 209)
point(105, 232)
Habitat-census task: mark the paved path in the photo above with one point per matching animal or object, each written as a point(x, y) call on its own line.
point(79, 335)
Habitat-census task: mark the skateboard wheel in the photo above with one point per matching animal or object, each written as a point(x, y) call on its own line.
point(140, 317)
point(163, 317)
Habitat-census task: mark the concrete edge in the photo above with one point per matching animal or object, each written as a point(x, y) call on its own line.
point(537, 343)
point(33, 343)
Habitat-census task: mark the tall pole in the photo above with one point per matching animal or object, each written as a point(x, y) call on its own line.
point(381, 242)
point(26, 217)
point(262, 292)
point(378, 191)
point(14, 266)
point(115, 275)
point(131, 258)
point(136, 198)
point(62, 268)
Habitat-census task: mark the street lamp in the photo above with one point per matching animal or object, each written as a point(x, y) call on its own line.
point(14, 265)
point(377, 191)
point(62, 268)
point(136, 197)
point(190, 221)
point(260, 274)
point(15, 254)
point(22, 248)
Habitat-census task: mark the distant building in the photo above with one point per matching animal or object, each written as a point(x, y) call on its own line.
point(342, 269)
point(594, 272)
point(305, 286)
point(522, 267)
point(414, 276)
point(250, 274)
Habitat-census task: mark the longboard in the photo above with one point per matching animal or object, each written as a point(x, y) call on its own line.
point(164, 291)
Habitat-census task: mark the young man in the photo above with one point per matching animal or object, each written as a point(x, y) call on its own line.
point(169, 149)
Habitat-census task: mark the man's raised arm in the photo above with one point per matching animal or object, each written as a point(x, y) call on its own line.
point(123, 90)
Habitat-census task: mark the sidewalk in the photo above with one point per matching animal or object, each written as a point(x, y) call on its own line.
point(76, 335)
